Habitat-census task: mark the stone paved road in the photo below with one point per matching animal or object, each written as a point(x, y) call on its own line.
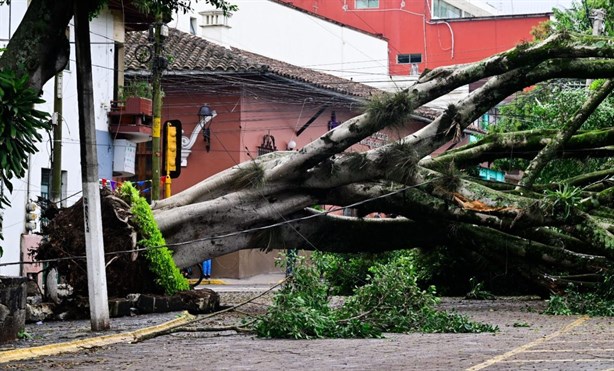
point(527, 341)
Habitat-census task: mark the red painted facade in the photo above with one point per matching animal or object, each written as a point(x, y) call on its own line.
point(240, 125)
point(411, 30)
point(243, 119)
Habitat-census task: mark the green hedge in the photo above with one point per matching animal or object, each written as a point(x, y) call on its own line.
point(160, 258)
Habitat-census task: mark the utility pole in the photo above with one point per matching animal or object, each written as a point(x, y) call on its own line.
point(598, 17)
point(158, 66)
point(56, 166)
point(92, 216)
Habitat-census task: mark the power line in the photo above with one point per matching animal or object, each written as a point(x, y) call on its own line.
point(237, 233)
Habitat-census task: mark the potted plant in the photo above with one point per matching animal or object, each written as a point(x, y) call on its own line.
point(137, 97)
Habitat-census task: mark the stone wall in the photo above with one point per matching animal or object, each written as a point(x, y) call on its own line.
point(13, 293)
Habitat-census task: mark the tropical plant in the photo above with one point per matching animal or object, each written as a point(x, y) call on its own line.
point(548, 107)
point(20, 129)
point(564, 199)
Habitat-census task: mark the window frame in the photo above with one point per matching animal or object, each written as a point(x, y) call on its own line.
point(412, 58)
point(193, 25)
point(47, 181)
point(368, 4)
point(451, 11)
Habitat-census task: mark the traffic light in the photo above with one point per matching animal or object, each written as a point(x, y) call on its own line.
point(172, 148)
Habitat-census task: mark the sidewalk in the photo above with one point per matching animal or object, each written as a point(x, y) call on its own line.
point(54, 337)
point(259, 282)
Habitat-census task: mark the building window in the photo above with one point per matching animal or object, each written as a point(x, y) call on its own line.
point(409, 58)
point(46, 183)
point(367, 4)
point(67, 67)
point(441, 9)
point(193, 25)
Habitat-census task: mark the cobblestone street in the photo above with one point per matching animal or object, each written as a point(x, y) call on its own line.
point(527, 340)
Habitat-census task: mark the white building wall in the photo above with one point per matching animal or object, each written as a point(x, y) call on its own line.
point(279, 32)
point(529, 6)
point(29, 187)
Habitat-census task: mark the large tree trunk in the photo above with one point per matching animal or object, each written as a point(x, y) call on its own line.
point(39, 48)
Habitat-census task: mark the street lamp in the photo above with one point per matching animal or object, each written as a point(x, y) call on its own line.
point(204, 112)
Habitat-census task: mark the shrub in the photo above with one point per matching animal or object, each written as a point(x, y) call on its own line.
point(444, 267)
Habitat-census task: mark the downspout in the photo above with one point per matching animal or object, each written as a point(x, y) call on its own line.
point(10, 13)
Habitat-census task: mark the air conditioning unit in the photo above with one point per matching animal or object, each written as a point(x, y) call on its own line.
point(124, 158)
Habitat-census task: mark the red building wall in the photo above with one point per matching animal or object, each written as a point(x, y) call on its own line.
point(410, 30)
point(225, 133)
point(236, 134)
point(241, 122)
point(283, 120)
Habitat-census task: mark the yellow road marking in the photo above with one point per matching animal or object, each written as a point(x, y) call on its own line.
point(76, 345)
point(596, 350)
point(524, 347)
point(559, 360)
point(581, 341)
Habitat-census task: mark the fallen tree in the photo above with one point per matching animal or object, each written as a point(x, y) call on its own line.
point(550, 236)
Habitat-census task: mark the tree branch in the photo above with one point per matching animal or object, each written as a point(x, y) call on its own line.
point(562, 137)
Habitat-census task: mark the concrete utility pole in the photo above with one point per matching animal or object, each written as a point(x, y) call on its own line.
point(158, 66)
point(56, 166)
point(598, 17)
point(94, 245)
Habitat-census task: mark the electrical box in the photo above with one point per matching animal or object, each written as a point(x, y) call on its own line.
point(124, 158)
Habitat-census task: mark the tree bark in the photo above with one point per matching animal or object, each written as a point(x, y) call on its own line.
point(40, 47)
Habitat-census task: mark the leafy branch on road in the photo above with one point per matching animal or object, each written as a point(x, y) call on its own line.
point(390, 301)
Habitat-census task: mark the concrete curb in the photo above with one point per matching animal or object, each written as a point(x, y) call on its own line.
point(99, 341)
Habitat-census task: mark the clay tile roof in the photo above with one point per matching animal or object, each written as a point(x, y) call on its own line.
point(192, 54)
